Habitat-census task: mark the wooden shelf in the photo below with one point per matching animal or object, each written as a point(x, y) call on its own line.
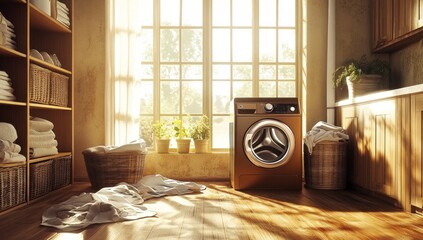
point(10, 52)
point(49, 66)
point(41, 159)
point(5, 102)
point(3, 165)
point(40, 20)
point(45, 106)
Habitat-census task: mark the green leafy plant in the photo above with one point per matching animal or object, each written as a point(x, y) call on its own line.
point(179, 130)
point(200, 129)
point(355, 69)
point(162, 129)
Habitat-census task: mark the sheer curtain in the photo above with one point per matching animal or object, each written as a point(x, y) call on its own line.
point(123, 34)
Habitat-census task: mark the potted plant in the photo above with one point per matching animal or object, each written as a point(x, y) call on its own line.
point(162, 132)
point(200, 133)
point(180, 132)
point(362, 76)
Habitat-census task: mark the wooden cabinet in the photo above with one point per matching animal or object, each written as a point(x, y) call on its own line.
point(35, 29)
point(396, 23)
point(417, 151)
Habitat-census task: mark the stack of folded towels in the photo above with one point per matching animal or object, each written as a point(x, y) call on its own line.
point(6, 90)
point(7, 32)
point(42, 140)
point(63, 14)
point(9, 151)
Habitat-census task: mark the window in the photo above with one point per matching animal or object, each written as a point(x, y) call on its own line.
point(198, 55)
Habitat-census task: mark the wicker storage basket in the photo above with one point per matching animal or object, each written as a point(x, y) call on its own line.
point(109, 169)
point(12, 186)
point(326, 167)
point(59, 89)
point(62, 171)
point(41, 179)
point(39, 84)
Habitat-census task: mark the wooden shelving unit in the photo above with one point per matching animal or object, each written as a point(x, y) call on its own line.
point(35, 29)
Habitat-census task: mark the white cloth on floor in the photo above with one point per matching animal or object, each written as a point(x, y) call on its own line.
point(11, 157)
point(41, 152)
point(8, 132)
point(40, 124)
point(9, 146)
point(324, 131)
point(112, 204)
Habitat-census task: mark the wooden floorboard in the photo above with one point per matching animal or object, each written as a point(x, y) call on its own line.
point(223, 213)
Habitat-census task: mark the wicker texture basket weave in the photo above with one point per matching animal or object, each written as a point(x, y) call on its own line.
point(41, 178)
point(326, 167)
point(59, 89)
point(62, 171)
point(12, 186)
point(39, 84)
point(109, 169)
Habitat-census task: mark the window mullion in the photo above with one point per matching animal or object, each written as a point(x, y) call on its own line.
point(255, 42)
point(156, 59)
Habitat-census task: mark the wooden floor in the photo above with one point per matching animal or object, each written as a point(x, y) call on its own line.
point(223, 213)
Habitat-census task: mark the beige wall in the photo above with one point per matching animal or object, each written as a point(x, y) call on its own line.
point(407, 66)
point(89, 78)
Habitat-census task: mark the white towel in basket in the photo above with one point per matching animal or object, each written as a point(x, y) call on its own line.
point(324, 131)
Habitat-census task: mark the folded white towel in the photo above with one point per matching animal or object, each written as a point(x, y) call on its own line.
point(8, 132)
point(35, 136)
point(40, 124)
point(4, 74)
point(5, 83)
point(6, 92)
point(42, 144)
point(63, 15)
point(8, 146)
point(41, 152)
point(63, 20)
point(7, 98)
point(62, 6)
point(6, 87)
point(11, 157)
point(323, 131)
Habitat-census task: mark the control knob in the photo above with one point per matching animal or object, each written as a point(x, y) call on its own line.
point(268, 107)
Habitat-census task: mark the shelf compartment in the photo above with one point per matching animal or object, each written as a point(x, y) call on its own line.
point(42, 159)
point(49, 66)
point(40, 20)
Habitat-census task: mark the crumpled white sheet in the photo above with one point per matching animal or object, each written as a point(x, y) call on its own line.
point(138, 145)
point(324, 131)
point(113, 204)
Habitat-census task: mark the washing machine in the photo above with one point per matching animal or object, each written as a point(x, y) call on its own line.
point(265, 144)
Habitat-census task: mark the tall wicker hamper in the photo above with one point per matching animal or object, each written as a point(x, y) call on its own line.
point(110, 168)
point(326, 167)
point(12, 186)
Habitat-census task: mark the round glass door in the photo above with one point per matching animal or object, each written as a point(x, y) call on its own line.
point(269, 143)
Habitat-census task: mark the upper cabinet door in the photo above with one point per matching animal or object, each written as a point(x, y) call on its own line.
point(418, 14)
point(382, 22)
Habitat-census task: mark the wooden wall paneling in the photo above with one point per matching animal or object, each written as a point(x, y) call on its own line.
point(416, 151)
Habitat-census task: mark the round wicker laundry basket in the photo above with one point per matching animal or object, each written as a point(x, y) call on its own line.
point(326, 166)
point(108, 169)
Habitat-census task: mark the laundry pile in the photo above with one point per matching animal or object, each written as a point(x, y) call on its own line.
point(9, 150)
point(6, 90)
point(7, 32)
point(63, 14)
point(113, 204)
point(42, 140)
point(324, 131)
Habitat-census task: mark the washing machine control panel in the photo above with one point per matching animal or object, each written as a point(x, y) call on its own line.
point(281, 108)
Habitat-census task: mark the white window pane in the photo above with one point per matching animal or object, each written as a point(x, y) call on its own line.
point(146, 96)
point(287, 13)
point(267, 89)
point(194, 72)
point(192, 13)
point(242, 13)
point(242, 45)
point(192, 45)
point(267, 13)
point(147, 71)
point(169, 97)
point(243, 89)
point(286, 89)
point(192, 97)
point(220, 132)
point(146, 12)
point(169, 12)
point(169, 72)
point(267, 48)
point(221, 72)
point(287, 72)
point(221, 45)
point(242, 72)
point(286, 45)
point(169, 45)
point(267, 72)
point(147, 45)
point(221, 12)
point(221, 97)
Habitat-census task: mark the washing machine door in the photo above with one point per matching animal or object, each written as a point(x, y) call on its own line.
point(269, 143)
